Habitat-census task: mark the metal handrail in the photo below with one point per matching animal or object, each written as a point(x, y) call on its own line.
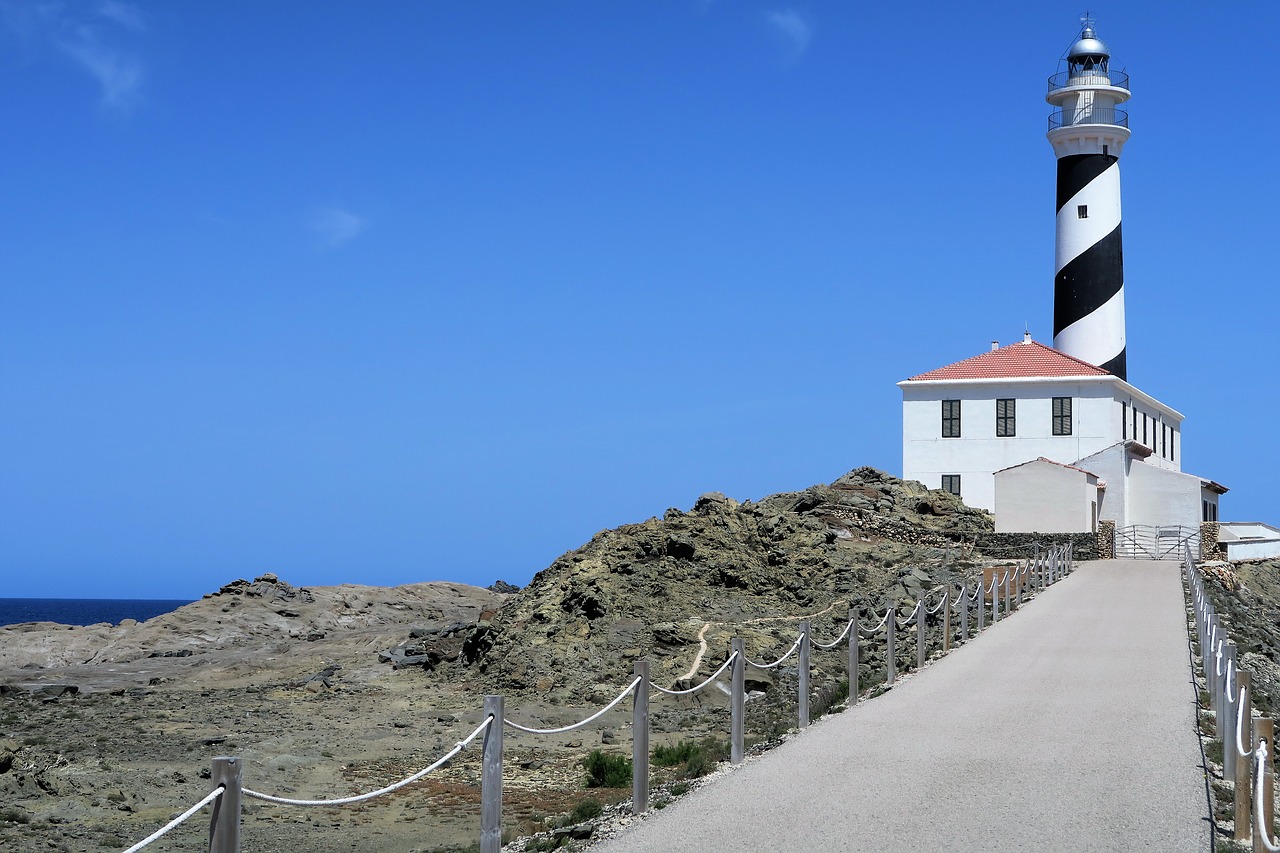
point(1088, 115)
point(1062, 79)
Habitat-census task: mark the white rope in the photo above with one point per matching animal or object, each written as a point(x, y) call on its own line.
point(833, 643)
point(915, 612)
point(457, 747)
point(1260, 763)
point(876, 630)
point(710, 678)
point(209, 798)
point(1240, 706)
point(938, 606)
point(794, 646)
point(1217, 660)
point(597, 715)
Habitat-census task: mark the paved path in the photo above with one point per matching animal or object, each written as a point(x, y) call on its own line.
point(1069, 727)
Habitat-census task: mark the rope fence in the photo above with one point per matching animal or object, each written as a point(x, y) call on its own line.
point(1017, 583)
point(1250, 768)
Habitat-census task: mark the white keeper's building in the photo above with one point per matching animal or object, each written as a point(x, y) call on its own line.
point(1049, 443)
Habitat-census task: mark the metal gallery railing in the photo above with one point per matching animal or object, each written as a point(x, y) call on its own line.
point(1096, 77)
point(962, 612)
point(1073, 116)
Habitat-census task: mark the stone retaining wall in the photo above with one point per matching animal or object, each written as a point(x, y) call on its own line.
point(1106, 540)
point(1022, 545)
point(1209, 547)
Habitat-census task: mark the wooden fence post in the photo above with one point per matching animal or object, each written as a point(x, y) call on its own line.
point(224, 824)
point(946, 619)
point(737, 700)
point(890, 633)
point(853, 656)
point(982, 603)
point(1244, 766)
point(491, 779)
point(640, 741)
point(964, 612)
point(1010, 581)
point(803, 710)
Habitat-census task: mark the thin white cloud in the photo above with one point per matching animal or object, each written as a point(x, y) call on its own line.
point(118, 73)
point(795, 32)
point(336, 227)
point(95, 39)
point(125, 14)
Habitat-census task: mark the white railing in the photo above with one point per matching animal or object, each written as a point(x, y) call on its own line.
point(1248, 742)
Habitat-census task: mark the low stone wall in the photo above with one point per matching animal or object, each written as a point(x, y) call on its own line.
point(1017, 546)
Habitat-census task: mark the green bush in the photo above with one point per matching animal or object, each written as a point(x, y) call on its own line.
point(607, 771)
point(590, 808)
point(698, 757)
point(671, 756)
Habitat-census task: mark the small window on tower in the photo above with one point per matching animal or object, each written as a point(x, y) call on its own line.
point(1082, 211)
point(1106, 149)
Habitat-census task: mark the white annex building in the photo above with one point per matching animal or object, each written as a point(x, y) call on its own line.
point(1055, 439)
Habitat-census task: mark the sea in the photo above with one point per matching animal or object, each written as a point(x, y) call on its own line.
point(83, 611)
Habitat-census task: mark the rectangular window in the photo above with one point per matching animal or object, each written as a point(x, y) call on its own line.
point(1204, 513)
point(1173, 440)
point(950, 418)
point(1062, 416)
point(951, 483)
point(1124, 420)
point(1135, 424)
point(1005, 420)
point(1164, 440)
point(1144, 428)
point(1082, 211)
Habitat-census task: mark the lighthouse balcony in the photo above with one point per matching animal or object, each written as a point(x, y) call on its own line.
point(1088, 115)
point(1092, 78)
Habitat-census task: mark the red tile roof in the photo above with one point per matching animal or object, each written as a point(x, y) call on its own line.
point(1020, 360)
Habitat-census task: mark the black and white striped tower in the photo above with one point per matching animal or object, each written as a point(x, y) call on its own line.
point(1087, 132)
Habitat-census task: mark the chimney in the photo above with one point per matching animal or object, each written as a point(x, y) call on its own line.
point(1026, 337)
point(995, 345)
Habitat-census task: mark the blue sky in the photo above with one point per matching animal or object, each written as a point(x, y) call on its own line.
point(388, 292)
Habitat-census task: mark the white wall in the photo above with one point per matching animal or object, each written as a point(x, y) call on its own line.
point(1099, 420)
point(979, 452)
point(1253, 549)
point(1161, 496)
point(1112, 468)
point(1040, 497)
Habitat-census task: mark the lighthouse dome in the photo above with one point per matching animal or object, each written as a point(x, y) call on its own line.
point(1088, 45)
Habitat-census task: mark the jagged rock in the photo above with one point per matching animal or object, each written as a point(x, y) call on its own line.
point(503, 587)
point(646, 590)
point(55, 691)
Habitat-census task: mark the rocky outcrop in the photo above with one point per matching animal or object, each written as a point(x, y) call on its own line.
point(258, 631)
point(661, 588)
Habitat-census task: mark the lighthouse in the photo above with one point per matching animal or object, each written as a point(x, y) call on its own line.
point(1088, 131)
